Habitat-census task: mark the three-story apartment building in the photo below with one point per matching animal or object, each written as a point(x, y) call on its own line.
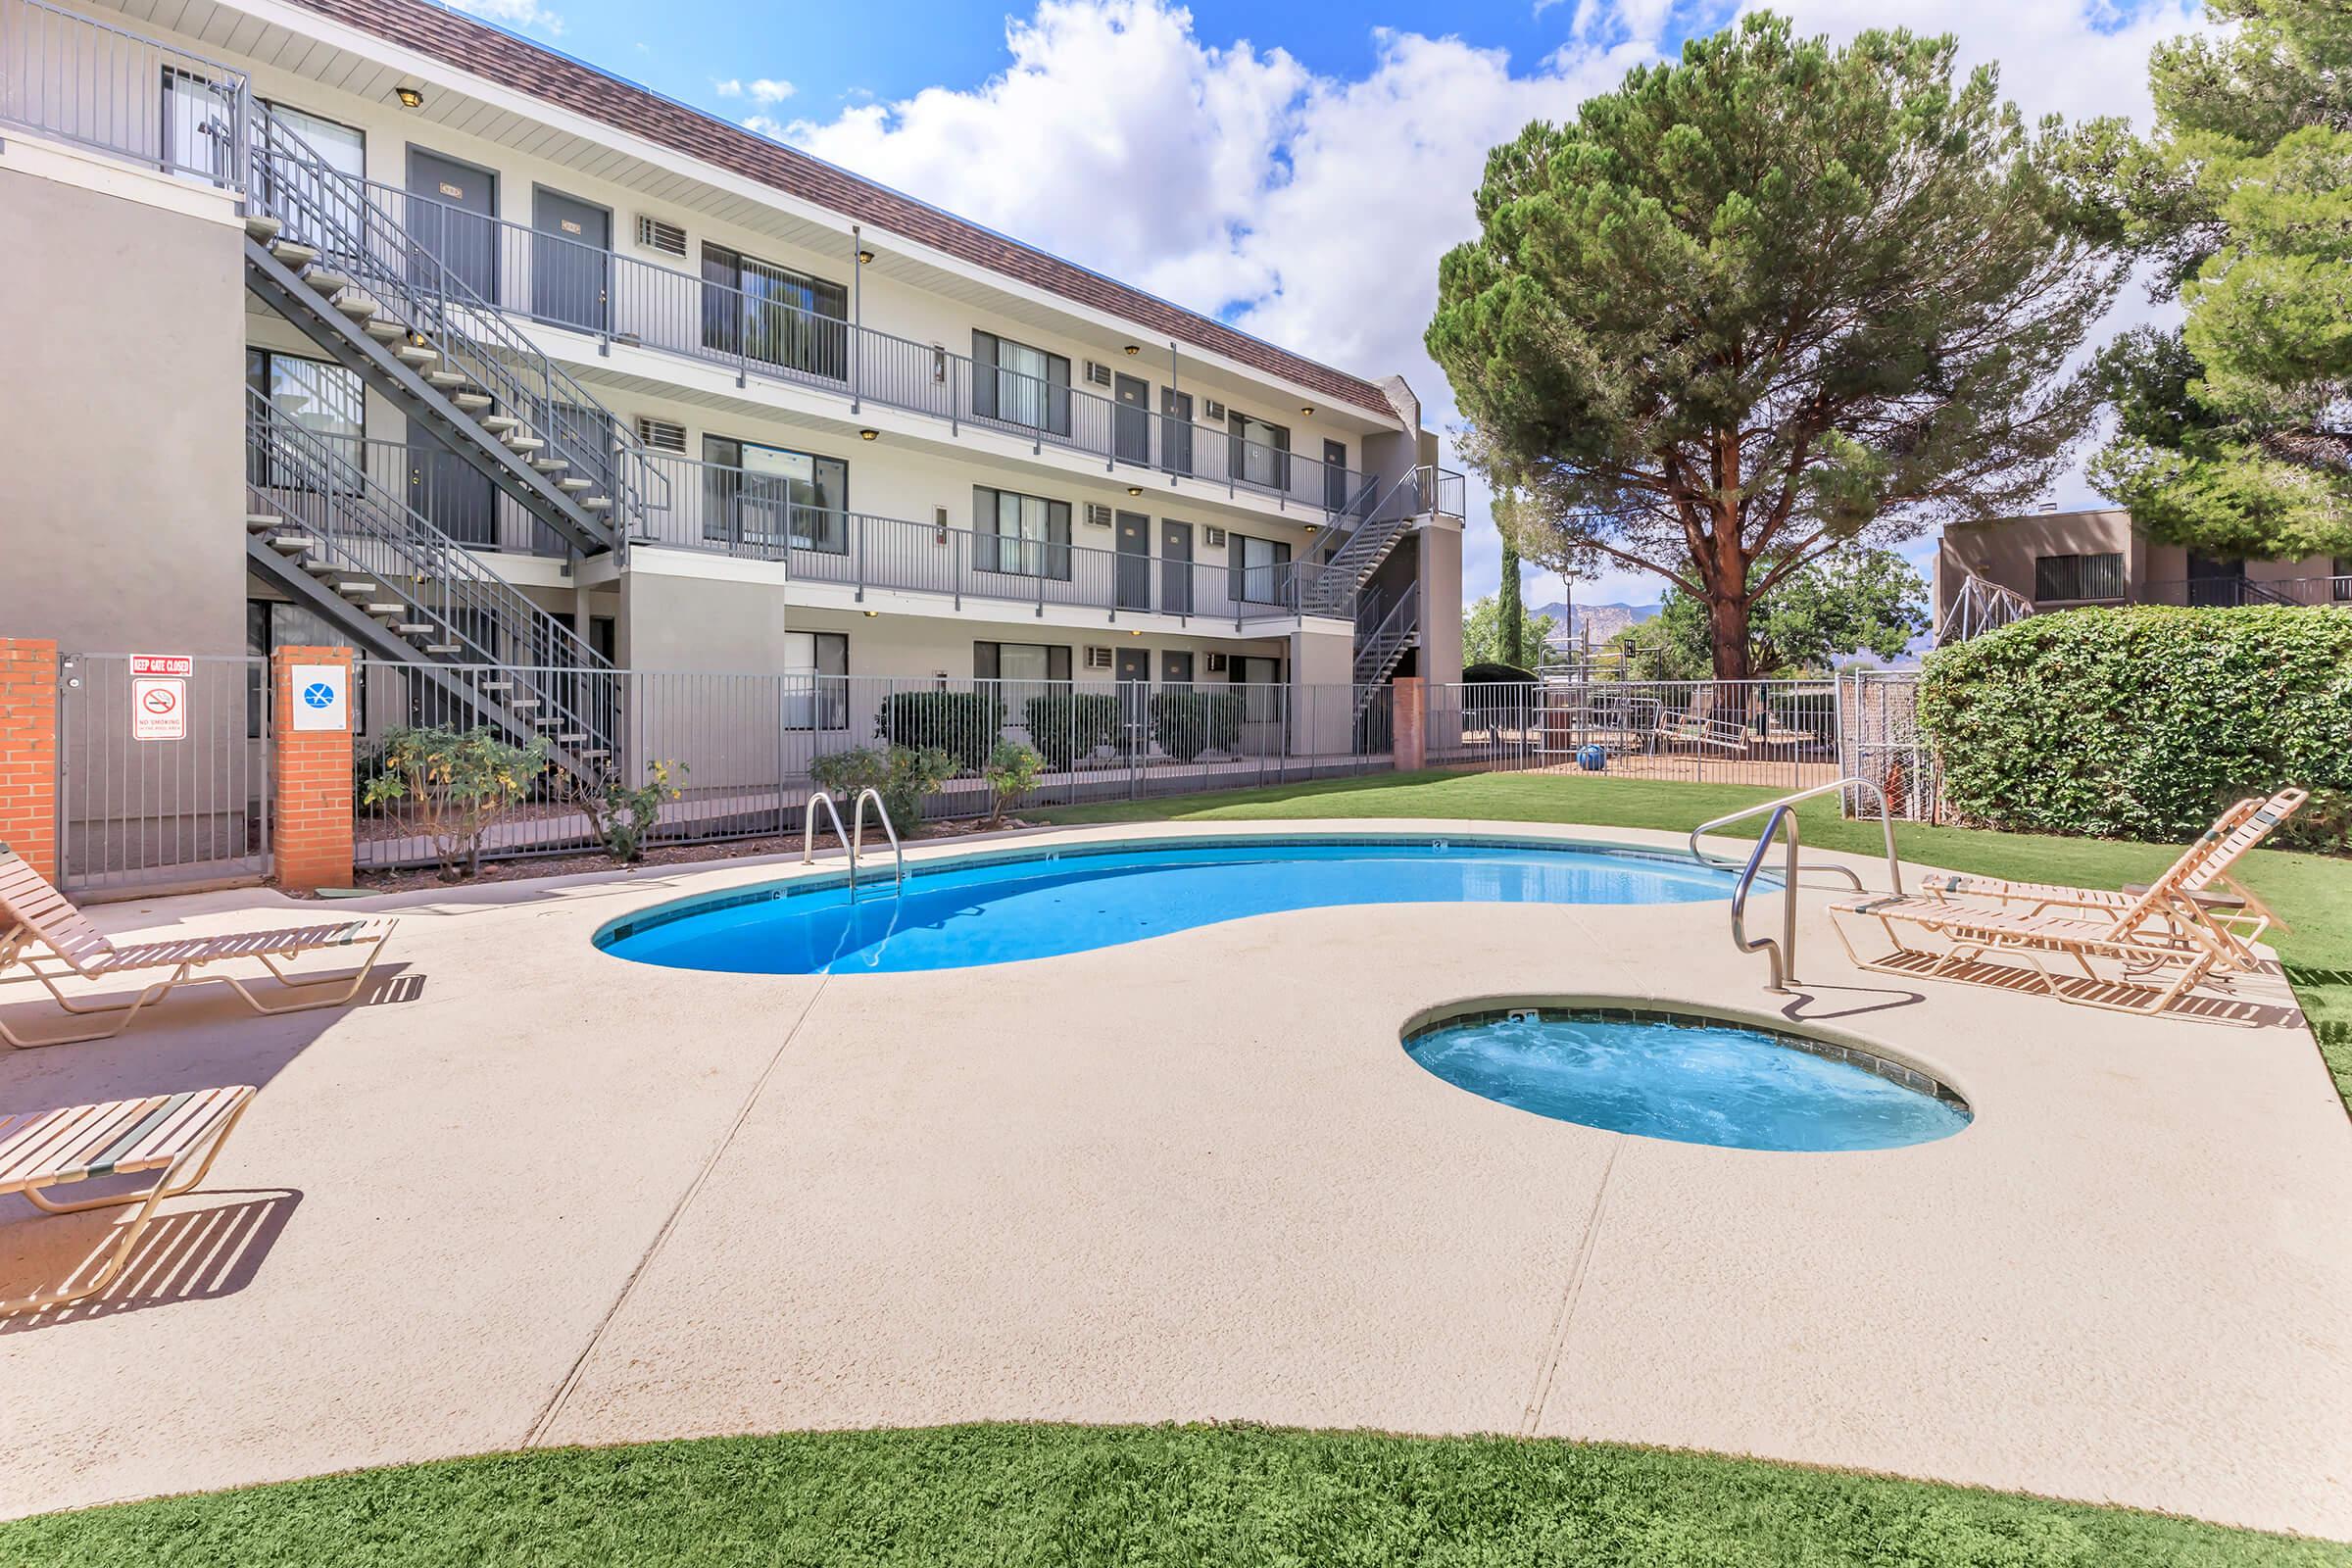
point(360, 320)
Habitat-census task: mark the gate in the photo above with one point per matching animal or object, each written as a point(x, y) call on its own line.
point(1881, 740)
point(163, 778)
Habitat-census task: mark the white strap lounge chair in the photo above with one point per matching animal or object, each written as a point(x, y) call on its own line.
point(45, 938)
point(179, 1135)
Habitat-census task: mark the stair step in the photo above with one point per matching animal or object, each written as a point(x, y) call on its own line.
point(292, 253)
point(391, 607)
point(260, 522)
point(417, 353)
point(592, 754)
point(326, 281)
point(597, 504)
point(447, 380)
point(550, 464)
point(415, 629)
point(493, 685)
point(575, 485)
point(386, 330)
point(443, 647)
point(525, 443)
point(569, 740)
point(356, 587)
point(499, 424)
point(320, 568)
point(471, 402)
point(356, 305)
point(264, 228)
point(291, 544)
point(524, 702)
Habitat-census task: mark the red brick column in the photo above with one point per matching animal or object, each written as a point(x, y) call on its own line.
point(1411, 697)
point(311, 832)
point(28, 751)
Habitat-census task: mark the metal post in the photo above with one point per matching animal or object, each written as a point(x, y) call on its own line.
point(857, 310)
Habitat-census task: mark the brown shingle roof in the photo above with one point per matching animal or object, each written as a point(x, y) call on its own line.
point(501, 57)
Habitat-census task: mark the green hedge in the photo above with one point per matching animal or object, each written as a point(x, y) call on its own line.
point(1185, 723)
point(2136, 723)
point(962, 724)
point(1066, 726)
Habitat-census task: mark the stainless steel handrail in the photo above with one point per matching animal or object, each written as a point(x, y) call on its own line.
point(857, 841)
point(1779, 815)
point(817, 798)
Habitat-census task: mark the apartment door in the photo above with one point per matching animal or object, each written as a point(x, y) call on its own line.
point(572, 261)
point(453, 221)
point(1131, 421)
point(1135, 694)
point(1135, 561)
point(450, 493)
point(1175, 567)
point(1176, 430)
point(1335, 475)
point(2215, 580)
point(1175, 668)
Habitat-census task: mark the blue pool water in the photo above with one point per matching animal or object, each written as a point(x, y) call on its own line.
point(957, 913)
point(1689, 1080)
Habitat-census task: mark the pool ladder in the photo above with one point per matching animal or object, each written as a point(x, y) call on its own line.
point(856, 839)
point(1781, 815)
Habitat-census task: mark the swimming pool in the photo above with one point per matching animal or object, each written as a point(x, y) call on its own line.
point(1008, 906)
point(1690, 1079)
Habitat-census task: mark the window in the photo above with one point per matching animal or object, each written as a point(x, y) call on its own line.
point(2072, 578)
point(1261, 451)
point(764, 495)
point(1260, 680)
point(1019, 662)
point(341, 147)
point(326, 407)
point(196, 133)
point(1024, 536)
point(771, 313)
point(1019, 385)
point(817, 684)
point(1259, 571)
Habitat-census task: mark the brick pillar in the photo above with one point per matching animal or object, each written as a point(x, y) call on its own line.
point(1411, 697)
point(28, 751)
point(312, 829)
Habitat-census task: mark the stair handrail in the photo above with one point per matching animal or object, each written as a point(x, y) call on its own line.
point(897, 850)
point(364, 512)
point(388, 259)
point(1980, 607)
point(1779, 814)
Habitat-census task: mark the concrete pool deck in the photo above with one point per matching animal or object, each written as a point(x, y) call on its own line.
point(532, 1195)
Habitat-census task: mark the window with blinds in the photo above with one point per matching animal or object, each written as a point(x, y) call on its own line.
point(2068, 578)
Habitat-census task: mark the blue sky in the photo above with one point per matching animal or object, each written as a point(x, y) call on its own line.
point(1293, 166)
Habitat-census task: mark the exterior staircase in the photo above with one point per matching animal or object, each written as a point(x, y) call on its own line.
point(341, 545)
point(1350, 560)
point(325, 251)
point(1383, 634)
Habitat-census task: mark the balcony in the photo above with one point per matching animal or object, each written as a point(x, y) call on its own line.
point(105, 89)
point(2230, 590)
point(771, 333)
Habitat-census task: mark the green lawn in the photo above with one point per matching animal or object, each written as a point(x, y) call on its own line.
point(1180, 1496)
point(2311, 893)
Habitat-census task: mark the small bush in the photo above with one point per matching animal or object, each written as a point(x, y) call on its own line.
point(1186, 723)
point(1065, 725)
point(1012, 773)
point(2132, 723)
point(458, 784)
point(902, 774)
point(626, 815)
point(962, 724)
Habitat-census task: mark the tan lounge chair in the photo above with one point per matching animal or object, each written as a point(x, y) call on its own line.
point(45, 938)
point(2139, 954)
point(169, 1133)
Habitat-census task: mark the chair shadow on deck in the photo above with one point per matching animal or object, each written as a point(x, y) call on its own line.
point(211, 1248)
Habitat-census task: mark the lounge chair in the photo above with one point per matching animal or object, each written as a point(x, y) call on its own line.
point(44, 938)
point(2139, 954)
point(83, 1143)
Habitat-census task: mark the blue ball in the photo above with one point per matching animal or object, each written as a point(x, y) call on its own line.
point(1592, 758)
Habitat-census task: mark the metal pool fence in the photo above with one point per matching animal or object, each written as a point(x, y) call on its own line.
point(1881, 740)
point(163, 780)
point(742, 749)
point(1775, 734)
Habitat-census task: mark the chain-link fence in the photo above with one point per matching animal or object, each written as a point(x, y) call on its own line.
point(1881, 740)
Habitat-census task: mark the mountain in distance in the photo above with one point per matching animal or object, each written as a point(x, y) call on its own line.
point(1605, 620)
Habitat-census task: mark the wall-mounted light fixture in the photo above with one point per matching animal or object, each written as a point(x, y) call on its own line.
point(868, 435)
point(410, 97)
point(1308, 408)
point(872, 613)
point(1311, 527)
point(1135, 489)
point(1132, 350)
point(864, 258)
point(1135, 634)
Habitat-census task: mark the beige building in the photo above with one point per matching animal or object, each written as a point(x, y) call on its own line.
point(358, 320)
point(2065, 560)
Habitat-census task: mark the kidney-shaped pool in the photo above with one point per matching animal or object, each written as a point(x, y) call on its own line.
point(1000, 907)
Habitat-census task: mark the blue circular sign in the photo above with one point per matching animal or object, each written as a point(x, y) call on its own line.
point(318, 694)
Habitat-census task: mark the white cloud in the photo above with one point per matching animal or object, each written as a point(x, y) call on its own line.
point(766, 89)
point(1312, 210)
point(521, 14)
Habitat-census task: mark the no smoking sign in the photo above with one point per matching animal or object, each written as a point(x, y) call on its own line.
point(159, 708)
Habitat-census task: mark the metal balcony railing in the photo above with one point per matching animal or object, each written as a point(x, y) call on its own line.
point(111, 90)
point(2225, 592)
point(773, 334)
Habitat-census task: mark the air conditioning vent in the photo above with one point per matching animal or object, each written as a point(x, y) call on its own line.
point(1098, 373)
point(1097, 658)
point(1097, 515)
point(1216, 664)
point(655, 235)
point(660, 435)
point(1213, 411)
point(1213, 538)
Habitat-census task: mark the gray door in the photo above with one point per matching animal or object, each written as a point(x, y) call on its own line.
point(451, 221)
point(1176, 567)
point(1335, 475)
point(1176, 430)
point(1135, 694)
point(572, 261)
point(1175, 668)
point(1131, 439)
point(1135, 561)
point(450, 493)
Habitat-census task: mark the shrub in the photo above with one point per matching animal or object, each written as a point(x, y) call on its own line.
point(459, 783)
point(1066, 726)
point(2132, 723)
point(626, 816)
point(1186, 723)
point(962, 724)
point(902, 775)
point(1011, 772)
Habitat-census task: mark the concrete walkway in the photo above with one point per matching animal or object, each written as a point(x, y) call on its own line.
point(533, 1194)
